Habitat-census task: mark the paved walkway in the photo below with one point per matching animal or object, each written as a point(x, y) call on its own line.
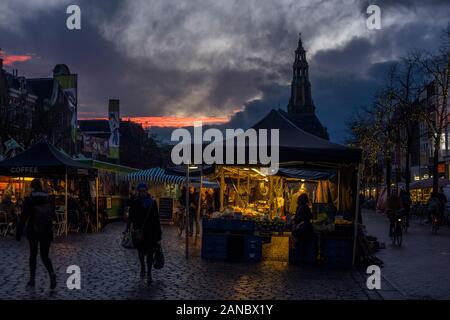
point(110, 272)
point(420, 269)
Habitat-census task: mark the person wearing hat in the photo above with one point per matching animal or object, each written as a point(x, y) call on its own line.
point(146, 228)
point(38, 213)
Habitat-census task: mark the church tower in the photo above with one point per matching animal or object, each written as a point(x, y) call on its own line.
point(301, 109)
point(301, 100)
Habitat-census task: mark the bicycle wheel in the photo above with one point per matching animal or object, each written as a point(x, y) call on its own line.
point(399, 240)
point(180, 225)
point(434, 228)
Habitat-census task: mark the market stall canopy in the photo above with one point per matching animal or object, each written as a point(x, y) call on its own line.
point(296, 146)
point(43, 159)
point(299, 145)
point(154, 175)
point(206, 183)
point(428, 183)
point(194, 171)
point(306, 174)
point(106, 166)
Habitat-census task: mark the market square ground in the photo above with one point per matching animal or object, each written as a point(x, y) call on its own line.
point(111, 272)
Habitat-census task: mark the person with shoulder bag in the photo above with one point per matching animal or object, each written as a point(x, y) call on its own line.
point(38, 214)
point(145, 229)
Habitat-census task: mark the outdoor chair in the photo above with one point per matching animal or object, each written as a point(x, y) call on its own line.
point(6, 224)
point(88, 222)
point(60, 224)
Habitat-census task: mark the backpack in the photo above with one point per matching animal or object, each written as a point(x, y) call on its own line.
point(43, 217)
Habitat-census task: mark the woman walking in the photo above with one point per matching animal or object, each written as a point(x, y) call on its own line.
point(146, 228)
point(38, 213)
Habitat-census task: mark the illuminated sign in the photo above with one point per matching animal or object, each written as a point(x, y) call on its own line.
point(24, 170)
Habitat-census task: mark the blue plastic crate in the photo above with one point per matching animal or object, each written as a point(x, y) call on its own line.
point(214, 246)
point(253, 248)
point(297, 256)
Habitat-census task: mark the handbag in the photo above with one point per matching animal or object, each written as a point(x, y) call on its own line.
point(158, 261)
point(127, 241)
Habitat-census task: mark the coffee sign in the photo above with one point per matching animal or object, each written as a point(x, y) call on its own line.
point(24, 170)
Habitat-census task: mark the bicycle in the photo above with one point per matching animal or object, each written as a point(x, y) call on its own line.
point(397, 233)
point(180, 220)
point(434, 224)
point(405, 224)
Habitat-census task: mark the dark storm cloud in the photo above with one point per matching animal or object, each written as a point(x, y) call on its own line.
point(201, 57)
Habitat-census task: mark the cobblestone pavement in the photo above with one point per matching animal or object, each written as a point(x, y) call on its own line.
point(420, 269)
point(110, 272)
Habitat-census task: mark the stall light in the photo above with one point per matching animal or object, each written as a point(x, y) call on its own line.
point(302, 180)
point(258, 172)
point(246, 169)
point(193, 167)
point(23, 179)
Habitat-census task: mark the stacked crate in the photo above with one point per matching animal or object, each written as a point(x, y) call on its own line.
point(338, 252)
point(297, 256)
point(230, 239)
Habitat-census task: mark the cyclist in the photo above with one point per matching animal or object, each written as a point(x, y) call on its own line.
point(393, 207)
point(434, 207)
point(406, 204)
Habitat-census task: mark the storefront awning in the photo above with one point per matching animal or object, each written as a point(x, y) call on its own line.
point(428, 183)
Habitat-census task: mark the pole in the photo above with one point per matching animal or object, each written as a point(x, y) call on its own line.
point(186, 213)
point(96, 201)
point(222, 186)
point(239, 188)
point(197, 222)
point(339, 190)
point(66, 209)
point(355, 221)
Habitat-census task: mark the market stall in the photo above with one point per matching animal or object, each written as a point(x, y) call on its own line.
point(64, 178)
point(257, 207)
point(164, 187)
point(113, 186)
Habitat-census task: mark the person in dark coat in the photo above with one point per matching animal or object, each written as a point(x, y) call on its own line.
point(144, 215)
point(38, 213)
point(303, 229)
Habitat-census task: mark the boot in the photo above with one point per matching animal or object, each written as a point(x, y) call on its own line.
point(31, 283)
point(149, 278)
point(52, 281)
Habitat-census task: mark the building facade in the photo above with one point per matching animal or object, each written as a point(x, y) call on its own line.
point(32, 109)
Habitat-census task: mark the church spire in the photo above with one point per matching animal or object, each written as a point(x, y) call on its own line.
point(301, 100)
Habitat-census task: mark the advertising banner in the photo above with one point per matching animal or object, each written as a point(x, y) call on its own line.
point(95, 145)
point(114, 123)
point(68, 82)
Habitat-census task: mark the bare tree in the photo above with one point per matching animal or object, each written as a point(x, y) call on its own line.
point(406, 90)
point(436, 69)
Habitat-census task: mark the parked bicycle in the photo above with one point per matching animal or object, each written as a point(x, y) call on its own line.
point(180, 220)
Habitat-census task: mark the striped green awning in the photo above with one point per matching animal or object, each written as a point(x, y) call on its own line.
point(154, 175)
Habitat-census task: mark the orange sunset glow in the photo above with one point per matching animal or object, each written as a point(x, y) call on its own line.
point(9, 59)
point(169, 121)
